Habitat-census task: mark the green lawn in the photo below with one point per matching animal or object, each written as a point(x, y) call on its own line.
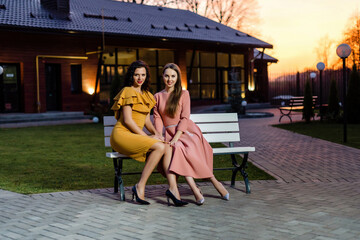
point(71, 157)
point(332, 132)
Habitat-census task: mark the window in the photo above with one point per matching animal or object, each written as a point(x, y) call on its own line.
point(237, 60)
point(148, 56)
point(223, 60)
point(166, 56)
point(76, 79)
point(207, 59)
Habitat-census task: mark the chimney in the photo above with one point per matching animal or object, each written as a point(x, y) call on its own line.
point(62, 6)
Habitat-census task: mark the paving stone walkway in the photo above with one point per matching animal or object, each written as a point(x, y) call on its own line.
point(316, 196)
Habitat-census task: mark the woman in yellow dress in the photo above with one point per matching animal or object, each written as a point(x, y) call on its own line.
point(132, 110)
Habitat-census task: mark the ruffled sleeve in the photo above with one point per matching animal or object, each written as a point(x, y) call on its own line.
point(139, 102)
point(127, 96)
point(149, 100)
point(185, 111)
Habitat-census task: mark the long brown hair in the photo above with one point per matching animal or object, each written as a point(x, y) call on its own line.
point(174, 98)
point(129, 77)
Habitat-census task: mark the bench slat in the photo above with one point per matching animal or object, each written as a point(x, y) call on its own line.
point(214, 127)
point(109, 120)
point(107, 131)
point(197, 118)
point(216, 151)
point(210, 137)
point(222, 137)
point(107, 142)
point(233, 150)
point(204, 127)
point(207, 118)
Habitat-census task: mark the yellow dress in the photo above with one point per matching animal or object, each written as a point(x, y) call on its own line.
point(122, 139)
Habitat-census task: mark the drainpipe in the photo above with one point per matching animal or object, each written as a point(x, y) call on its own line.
point(38, 103)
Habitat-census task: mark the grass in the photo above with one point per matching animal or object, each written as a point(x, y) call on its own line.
point(332, 132)
point(72, 157)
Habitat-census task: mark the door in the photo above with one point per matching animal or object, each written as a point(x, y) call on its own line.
point(53, 89)
point(10, 88)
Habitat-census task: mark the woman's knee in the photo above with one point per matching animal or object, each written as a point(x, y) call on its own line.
point(159, 146)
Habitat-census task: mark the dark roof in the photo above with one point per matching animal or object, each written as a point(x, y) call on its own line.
point(126, 19)
point(265, 57)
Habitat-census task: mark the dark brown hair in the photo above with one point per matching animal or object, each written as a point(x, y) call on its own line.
point(174, 98)
point(129, 77)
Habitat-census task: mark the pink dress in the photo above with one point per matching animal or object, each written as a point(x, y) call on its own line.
point(192, 154)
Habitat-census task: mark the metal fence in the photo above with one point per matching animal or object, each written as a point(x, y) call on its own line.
point(283, 86)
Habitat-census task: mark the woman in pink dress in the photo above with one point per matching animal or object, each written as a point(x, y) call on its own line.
point(192, 154)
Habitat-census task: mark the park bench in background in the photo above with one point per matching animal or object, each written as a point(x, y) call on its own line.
point(294, 104)
point(216, 127)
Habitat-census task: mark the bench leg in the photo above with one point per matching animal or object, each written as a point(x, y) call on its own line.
point(240, 168)
point(235, 170)
point(116, 189)
point(244, 174)
point(286, 116)
point(118, 181)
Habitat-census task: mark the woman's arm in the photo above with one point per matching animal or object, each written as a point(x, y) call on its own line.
point(176, 137)
point(158, 122)
point(129, 122)
point(184, 117)
point(150, 127)
point(185, 111)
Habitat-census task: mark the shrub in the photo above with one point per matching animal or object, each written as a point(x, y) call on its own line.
point(308, 110)
point(353, 97)
point(333, 111)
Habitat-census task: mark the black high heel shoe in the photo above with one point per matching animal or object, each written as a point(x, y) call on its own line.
point(138, 200)
point(177, 202)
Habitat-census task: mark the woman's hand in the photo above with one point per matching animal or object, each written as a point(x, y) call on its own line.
point(175, 138)
point(158, 137)
point(173, 141)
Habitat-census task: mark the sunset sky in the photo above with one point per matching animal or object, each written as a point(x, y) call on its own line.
point(294, 27)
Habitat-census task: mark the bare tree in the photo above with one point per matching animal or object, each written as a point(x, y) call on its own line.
point(352, 37)
point(324, 49)
point(238, 14)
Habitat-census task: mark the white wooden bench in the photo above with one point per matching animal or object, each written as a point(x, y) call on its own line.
point(216, 127)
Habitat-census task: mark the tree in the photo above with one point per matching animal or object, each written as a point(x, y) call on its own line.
point(238, 14)
point(352, 37)
point(324, 49)
point(308, 110)
point(333, 107)
point(353, 97)
point(235, 13)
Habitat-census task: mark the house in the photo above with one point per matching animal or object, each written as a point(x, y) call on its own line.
point(60, 55)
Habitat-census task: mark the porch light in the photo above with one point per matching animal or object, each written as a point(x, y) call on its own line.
point(90, 90)
point(251, 87)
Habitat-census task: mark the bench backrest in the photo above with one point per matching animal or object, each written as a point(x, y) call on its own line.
point(299, 101)
point(216, 127)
